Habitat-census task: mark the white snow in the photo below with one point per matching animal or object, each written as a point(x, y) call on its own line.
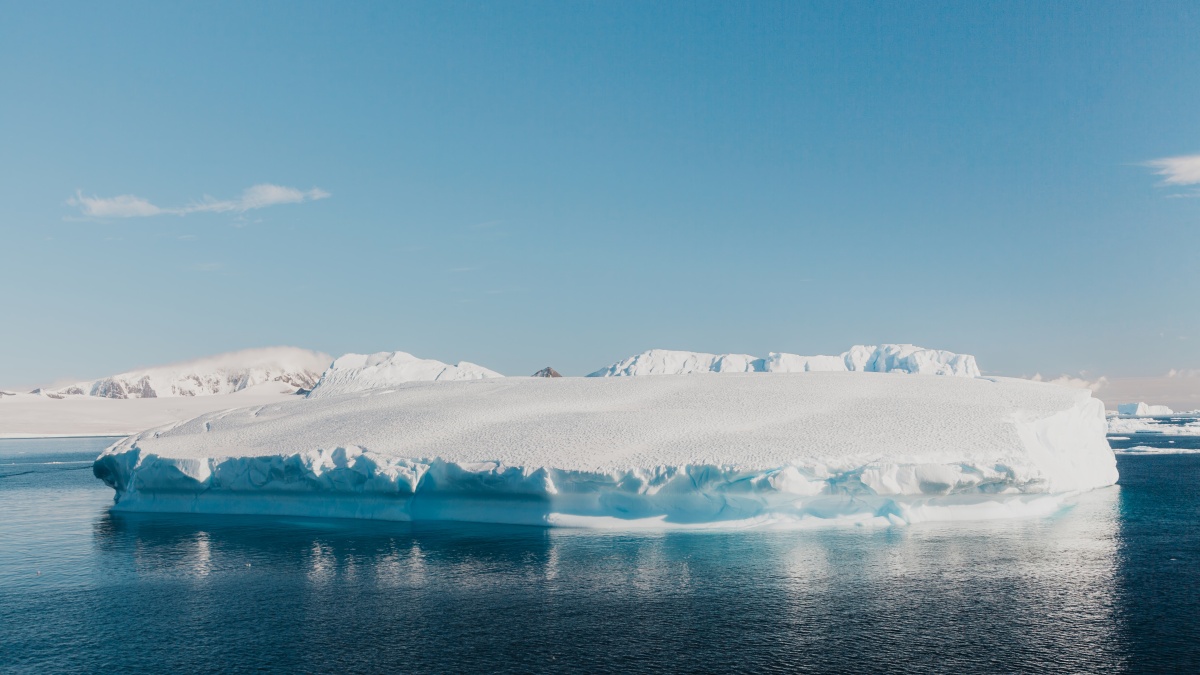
point(211, 376)
point(1143, 410)
point(34, 416)
point(778, 450)
point(130, 402)
point(1148, 450)
point(361, 372)
point(860, 358)
point(1135, 425)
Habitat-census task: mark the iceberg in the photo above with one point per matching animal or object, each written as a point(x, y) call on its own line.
point(777, 450)
point(363, 372)
point(1143, 410)
point(890, 358)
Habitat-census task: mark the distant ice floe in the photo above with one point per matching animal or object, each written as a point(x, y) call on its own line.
point(1148, 450)
point(860, 358)
point(627, 452)
point(1134, 425)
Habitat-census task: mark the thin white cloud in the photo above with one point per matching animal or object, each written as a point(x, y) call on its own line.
point(1070, 381)
point(1179, 389)
point(254, 197)
point(1182, 170)
point(121, 206)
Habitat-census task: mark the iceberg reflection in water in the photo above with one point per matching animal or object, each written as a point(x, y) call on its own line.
point(984, 596)
point(1107, 584)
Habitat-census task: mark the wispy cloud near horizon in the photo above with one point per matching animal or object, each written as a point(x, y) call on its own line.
point(1179, 388)
point(254, 197)
point(1181, 170)
point(1081, 382)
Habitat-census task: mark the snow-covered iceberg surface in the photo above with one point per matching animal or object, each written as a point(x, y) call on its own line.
point(1143, 410)
point(31, 415)
point(783, 449)
point(860, 358)
point(139, 399)
point(362, 372)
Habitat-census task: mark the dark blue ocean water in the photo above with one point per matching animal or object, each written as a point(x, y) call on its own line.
point(1113, 584)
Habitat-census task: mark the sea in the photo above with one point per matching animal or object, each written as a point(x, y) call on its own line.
point(1110, 584)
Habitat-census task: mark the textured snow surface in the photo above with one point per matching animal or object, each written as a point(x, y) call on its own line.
point(860, 358)
point(775, 450)
point(211, 376)
point(361, 372)
point(1143, 410)
point(31, 416)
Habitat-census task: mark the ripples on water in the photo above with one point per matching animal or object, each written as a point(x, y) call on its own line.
point(1109, 585)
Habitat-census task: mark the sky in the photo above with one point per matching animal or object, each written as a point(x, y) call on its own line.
point(523, 184)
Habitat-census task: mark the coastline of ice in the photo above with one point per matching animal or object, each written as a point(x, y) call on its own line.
point(1155, 450)
point(1144, 425)
point(783, 450)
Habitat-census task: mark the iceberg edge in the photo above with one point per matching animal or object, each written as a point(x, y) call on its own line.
point(791, 451)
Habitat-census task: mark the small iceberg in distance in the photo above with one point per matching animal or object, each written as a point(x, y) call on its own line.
point(1143, 410)
point(769, 449)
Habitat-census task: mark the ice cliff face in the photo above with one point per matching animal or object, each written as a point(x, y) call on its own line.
point(882, 359)
point(215, 375)
point(362, 372)
point(739, 450)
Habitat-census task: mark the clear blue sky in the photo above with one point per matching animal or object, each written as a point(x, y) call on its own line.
point(522, 184)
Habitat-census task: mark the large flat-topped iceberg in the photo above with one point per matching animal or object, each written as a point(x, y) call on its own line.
point(860, 358)
point(362, 372)
point(1142, 410)
point(783, 449)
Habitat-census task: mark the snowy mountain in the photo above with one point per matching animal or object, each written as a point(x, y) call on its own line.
point(210, 376)
point(547, 372)
point(359, 372)
point(872, 359)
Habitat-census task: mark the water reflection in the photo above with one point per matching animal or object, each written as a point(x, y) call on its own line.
point(968, 597)
point(1158, 551)
point(1107, 585)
